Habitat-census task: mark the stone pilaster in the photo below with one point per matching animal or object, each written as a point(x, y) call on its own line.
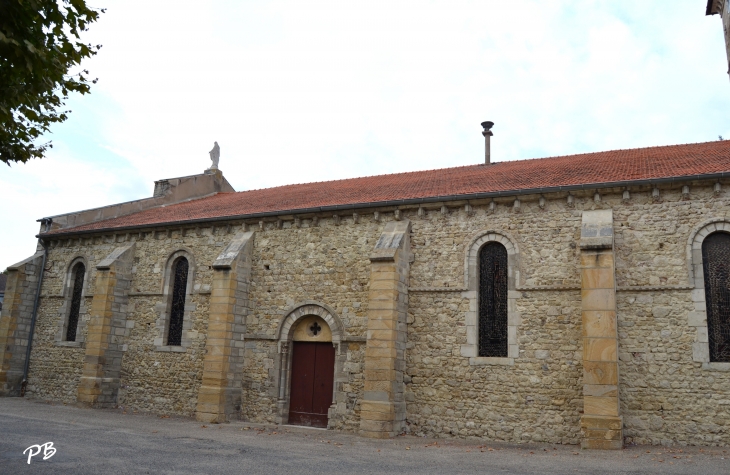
point(383, 408)
point(219, 397)
point(601, 423)
point(107, 329)
point(15, 318)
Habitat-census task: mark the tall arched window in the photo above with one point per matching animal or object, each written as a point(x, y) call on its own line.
point(78, 273)
point(493, 300)
point(177, 307)
point(716, 266)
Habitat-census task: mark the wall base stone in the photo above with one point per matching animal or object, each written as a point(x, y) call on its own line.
point(601, 432)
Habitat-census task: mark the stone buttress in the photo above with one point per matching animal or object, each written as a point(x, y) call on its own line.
point(383, 408)
point(219, 397)
point(15, 318)
point(601, 423)
point(107, 329)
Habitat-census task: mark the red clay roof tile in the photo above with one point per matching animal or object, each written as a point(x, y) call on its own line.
point(589, 168)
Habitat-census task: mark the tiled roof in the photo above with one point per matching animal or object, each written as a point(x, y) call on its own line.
point(501, 177)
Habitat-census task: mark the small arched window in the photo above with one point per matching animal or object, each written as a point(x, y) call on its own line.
point(493, 300)
point(716, 266)
point(177, 307)
point(78, 273)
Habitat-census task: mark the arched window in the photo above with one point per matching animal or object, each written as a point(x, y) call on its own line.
point(73, 312)
point(493, 287)
point(78, 273)
point(177, 307)
point(716, 267)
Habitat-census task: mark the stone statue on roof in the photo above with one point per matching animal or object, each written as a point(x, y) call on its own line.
point(215, 155)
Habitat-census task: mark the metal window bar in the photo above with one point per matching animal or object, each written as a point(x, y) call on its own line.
point(177, 309)
point(716, 267)
point(493, 300)
point(78, 286)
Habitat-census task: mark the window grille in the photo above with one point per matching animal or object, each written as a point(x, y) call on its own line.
point(493, 300)
point(716, 266)
point(73, 317)
point(177, 309)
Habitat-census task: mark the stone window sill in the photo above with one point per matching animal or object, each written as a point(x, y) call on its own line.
point(70, 344)
point(171, 349)
point(482, 361)
point(716, 366)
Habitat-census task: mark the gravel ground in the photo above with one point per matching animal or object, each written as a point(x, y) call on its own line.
point(92, 441)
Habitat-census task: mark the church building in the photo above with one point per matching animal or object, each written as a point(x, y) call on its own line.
point(579, 299)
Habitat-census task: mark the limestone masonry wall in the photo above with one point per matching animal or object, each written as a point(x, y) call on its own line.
point(667, 396)
point(325, 263)
point(55, 370)
point(537, 399)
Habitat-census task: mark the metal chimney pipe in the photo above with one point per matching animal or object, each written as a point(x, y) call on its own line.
point(487, 133)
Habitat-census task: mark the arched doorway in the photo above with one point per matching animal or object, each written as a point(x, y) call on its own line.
point(332, 334)
point(312, 372)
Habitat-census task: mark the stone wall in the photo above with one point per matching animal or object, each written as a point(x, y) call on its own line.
point(162, 381)
point(546, 238)
point(331, 266)
point(55, 369)
point(323, 262)
point(537, 399)
point(151, 380)
point(157, 381)
point(16, 322)
point(666, 396)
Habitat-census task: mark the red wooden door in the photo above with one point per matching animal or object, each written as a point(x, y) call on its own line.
point(312, 373)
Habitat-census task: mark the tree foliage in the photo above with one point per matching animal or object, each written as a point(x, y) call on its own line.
point(40, 47)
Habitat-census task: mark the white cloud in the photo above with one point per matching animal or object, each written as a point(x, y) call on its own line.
point(305, 91)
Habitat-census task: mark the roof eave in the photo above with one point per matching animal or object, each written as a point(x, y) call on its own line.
point(380, 204)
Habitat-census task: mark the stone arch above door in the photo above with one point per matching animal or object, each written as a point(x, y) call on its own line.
point(303, 309)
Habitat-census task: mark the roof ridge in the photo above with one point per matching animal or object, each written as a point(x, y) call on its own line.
point(518, 160)
point(709, 159)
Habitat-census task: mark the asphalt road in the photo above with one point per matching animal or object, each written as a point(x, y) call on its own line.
point(93, 441)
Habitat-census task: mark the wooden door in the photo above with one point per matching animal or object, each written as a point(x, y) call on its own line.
point(312, 373)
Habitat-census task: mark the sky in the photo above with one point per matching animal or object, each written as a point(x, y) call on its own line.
point(296, 92)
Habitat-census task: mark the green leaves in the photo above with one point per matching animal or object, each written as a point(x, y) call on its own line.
point(38, 47)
